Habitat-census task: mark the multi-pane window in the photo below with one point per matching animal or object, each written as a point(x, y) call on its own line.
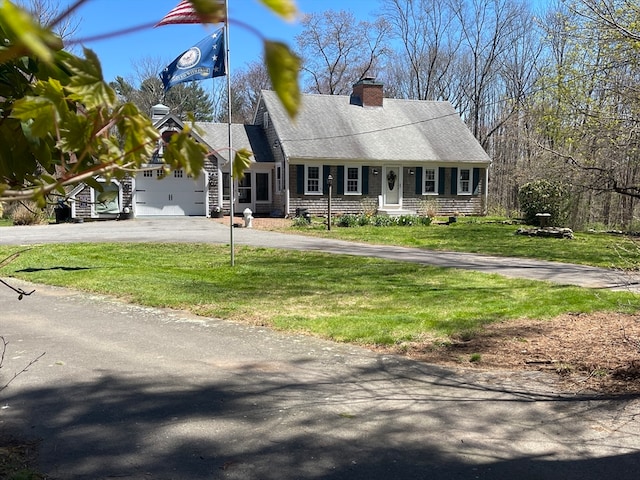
point(313, 183)
point(147, 173)
point(352, 180)
point(430, 181)
point(464, 184)
point(178, 174)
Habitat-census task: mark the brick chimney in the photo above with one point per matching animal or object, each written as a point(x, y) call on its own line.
point(367, 93)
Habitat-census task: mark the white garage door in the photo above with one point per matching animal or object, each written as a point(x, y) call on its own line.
point(173, 194)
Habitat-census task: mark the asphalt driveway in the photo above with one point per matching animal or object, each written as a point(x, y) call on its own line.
point(140, 393)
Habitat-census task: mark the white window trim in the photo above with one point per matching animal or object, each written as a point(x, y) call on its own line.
point(436, 174)
point(306, 180)
point(346, 181)
point(94, 198)
point(460, 192)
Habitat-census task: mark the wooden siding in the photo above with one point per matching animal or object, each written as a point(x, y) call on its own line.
point(446, 203)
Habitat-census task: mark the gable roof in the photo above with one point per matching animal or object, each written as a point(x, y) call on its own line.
point(251, 137)
point(330, 127)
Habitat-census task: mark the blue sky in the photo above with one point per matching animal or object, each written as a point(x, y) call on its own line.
point(119, 54)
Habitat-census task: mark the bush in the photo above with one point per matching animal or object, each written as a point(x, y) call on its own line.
point(27, 214)
point(300, 222)
point(346, 221)
point(543, 196)
point(380, 220)
point(428, 208)
point(383, 221)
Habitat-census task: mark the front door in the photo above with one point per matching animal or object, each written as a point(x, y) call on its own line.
point(245, 193)
point(392, 186)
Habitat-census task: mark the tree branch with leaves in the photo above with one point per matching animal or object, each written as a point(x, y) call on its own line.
point(61, 124)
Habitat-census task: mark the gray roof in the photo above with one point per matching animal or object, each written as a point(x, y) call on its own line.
point(329, 127)
point(251, 137)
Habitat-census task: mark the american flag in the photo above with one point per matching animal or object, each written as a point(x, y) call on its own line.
point(183, 13)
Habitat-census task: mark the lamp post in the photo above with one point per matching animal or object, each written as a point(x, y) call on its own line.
point(329, 185)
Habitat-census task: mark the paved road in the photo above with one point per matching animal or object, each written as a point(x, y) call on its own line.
point(140, 393)
point(194, 229)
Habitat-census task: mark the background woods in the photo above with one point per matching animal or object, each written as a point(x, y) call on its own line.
point(550, 89)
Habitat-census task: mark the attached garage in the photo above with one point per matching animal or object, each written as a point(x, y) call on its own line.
point(173, 194)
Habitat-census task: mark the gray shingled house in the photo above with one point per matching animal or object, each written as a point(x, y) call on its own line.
point(388, 153)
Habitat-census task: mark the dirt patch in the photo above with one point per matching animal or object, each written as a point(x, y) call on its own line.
point(259, 223)
point(590, 352)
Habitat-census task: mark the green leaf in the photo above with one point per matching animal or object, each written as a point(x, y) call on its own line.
point(87, 85)
point(137, 133)
point(24, 35)
point(95, 184)
point(184, 152)
point(283, 67)
point(241, 162)
point(285, 8)
point(209, 11)
point(37, 112)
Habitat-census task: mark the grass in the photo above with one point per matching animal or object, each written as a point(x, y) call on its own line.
point(471, 234)
point(349, 299)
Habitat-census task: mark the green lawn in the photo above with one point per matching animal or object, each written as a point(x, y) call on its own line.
point(478, 235)
point(363, 300)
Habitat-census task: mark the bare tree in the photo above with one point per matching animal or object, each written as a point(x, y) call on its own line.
point(46, 12)
point(430, 38)
point(246, 86)
point(337, 51)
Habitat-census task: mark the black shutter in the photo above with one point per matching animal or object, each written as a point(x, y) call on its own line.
point(365, 180)
point(300, 179)
point(441, 177)
point(476, 181)
point(340, 180)
point(418, 180)
point(454, 181)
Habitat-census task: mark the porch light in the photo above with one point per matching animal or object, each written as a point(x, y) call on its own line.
point(411, 172)
point(375, 171)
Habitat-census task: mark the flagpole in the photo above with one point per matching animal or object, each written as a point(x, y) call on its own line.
point(231, 154)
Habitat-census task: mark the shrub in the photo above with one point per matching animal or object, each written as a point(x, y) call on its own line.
point(300, 222)
point(346, 221)
point(364, 220)
point(369, 207)
point(383, 221)
point(543, 196)
point(428, 208)
point(406, 220)
point(27, 214)
point(380, 220)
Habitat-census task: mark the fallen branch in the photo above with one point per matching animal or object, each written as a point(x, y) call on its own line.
point(17, 374)
point(21, 293)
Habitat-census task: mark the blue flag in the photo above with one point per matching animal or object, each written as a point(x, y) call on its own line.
point(204, 60)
